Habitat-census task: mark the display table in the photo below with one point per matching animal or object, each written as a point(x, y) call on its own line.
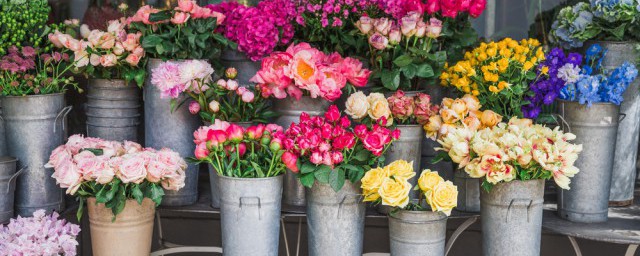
point(623, 227)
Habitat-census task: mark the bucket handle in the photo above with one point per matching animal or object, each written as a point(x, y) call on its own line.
point(621, 117)
point(563, 122)
point(259, 205)
point(344, 198)
point(527, 202)
point(63, 113)
point(12, 180)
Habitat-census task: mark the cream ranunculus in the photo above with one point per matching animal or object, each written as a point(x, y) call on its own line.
point(473, 104)
point(395, 192)
point(432, 127)
point(500, 171)
point(371, 182)
point(459, 153)
point(379, 107)
point(400, 169)
point(472, 122)
point(428, 180)
point(474, 170)
point(443, 197)
point(357, 105)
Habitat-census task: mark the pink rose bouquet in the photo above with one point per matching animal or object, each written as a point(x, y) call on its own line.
point(233, 151)
point(111, 54)
point(397, 108)
point(327, 149)
point(186, 32)
point(113, 172)
point(302, 69)
point(39, 235)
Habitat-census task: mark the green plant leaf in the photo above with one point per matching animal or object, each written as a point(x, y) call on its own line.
point(403, 60)
point(390, 79)
point(425, 71)
point(362, 155)
point(160, 16)
point(336, 179)
point(307, 168)
point(322, 174)
point(137, 193)
point(150, 41)
point(307, 179)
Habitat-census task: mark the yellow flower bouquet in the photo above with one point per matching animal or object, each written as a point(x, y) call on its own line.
point(498, 73)
point(390, 186)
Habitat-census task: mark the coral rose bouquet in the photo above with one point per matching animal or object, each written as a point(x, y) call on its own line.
point(39, 235)
point(457, 113)
point(304, 70)
point(328, 150)
point(390, 186)
point(499, 74)
point(398, 108)
point(114, 172)
point(518, 150)
point(110, 54)
point(233, 151)
point(186, 32)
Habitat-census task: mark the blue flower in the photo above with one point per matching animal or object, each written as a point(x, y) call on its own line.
point(593, 50)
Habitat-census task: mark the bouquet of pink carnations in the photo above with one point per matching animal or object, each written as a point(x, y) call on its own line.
point(255, 152)
point(327, 149)
point(302, 69)
point(39, 235)
point(404, 109)
point(186, 32)
point(113, 172)
point(111, 54)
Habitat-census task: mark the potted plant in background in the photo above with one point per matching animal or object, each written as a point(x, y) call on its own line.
point(513, 160)
point(613, 25)
point(257, 31)
point(304, 79)
point(111, 60)
point(590, 106)
point(248, 163)
point(414, 227)
point(330, 157)
point(407, 113)
point(183, 33)
point(39, 235)
point(121, 184)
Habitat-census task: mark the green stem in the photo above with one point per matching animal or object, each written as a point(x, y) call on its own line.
point(238, 159)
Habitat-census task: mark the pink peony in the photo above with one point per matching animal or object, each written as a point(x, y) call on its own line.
point(248, 97)
point(201, 151)
point(291, 161)
point(167, 78)
point(200, 135)
point(275, 75)
point(235, 133)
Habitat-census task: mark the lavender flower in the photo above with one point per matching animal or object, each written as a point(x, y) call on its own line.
point(39, 235)
point(569, 73)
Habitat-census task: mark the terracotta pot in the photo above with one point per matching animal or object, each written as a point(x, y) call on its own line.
point(130, 234)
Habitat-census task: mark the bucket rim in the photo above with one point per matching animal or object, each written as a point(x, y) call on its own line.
point(630, 42)
point(594, 103)
point(247, 179)
point(7, 159)
point(34, 95)
point(441, 216)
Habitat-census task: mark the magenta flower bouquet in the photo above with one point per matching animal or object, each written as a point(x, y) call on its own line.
point(39, 235)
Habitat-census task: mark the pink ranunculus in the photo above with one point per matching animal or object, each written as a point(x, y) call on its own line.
point(180, 18)
point(360, 131)
point(434, 28)
point(291, 161)
point(132, 170)
point(378, 41)
point(201, 151)
point(194, 107)
point(186, 5)
point(108, 60)
point(449, 8)
point(68, 176)
point(432, 6)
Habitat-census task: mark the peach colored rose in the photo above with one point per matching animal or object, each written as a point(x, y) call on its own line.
point(186, 5)
point(155, 171)
point(108, 60)
point(106, 41)
point(118, 49)
point(133, 59)
point(94, 59)
point(449, 116)
point(490, 118)
point(180, 18)
point(472, 102)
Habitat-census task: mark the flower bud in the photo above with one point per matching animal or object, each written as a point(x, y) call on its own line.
point(231, 73)
point(194, 107)
point(214, 106)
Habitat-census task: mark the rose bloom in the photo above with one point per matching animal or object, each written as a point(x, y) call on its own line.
point(449, 116)
point(400, 169)
point(395, 192)
point(443, 197)
point(67, 174)
point(472, 102)
point(460, 107)
point(371, 181)
point(378, 41)
point(428, 180)
point(432, 127)
point(357, 105)
point(132, 170)
point(490, 118)
point(379, 107)
point(108, 60)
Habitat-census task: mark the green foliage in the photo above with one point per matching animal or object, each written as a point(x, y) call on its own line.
point(115, 194)
point(23, 23)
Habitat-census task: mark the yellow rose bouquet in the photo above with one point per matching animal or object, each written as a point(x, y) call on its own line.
point(498, 73)
point(390, 186)
point(518, 150)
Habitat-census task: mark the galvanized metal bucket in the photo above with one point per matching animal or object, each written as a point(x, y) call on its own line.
point(468, 192)
point(417, 233)
point(595, 128)
point(131, 232)
point(289, 111)
point(512, 218)
point(444, 168)
point(113, 110)
point(437, 93)
point(250, 215)
point(335, 220)
point(409, 148)
point(624, 163)
point(8, 177)
point(245, 66)
point(35, 126)
point(3, 142)
point(174, 130)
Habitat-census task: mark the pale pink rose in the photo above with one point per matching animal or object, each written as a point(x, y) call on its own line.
point(171, 159)
point(200, 12)
point(378, 41)
point(133, 59)
point(186, 5)
point(118, 49)
point(180, 18)
point(248, 97)
point(55, 39)
point(434, 28)
point(81, 58)
point(421, 29)
point(73, 44)
point(94, 59)
point(108, 60)
point(109, 148)
point(59, 155)
point(365, 24)
point(383, 25)
point(114, 26)
point(155, 171)
point(84, 31)
point(144, 13)
point(131, 147)
point(395, 36)
point(94, 37)
point(68, 176)
point(86, 161)
point(219, 16)
point(103, 172)
point(409, 23)
point(174, 181)
point(75, 143)
point(132, 41)
point(132, 170)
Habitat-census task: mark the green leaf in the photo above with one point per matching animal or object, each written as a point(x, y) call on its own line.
point(156, 194)
point(80, 209)
point(307, 168)
point(410, 71)
point(258, 170)
point(322, 174)
point(150, 41)
point(403, 61)
point(111, 193)
point(307, 179)
point(336, 179)
point(425, 71)
point(487, 186)
point(391, 79)
point(160, 16)
point(137, 193)
point(362, 155)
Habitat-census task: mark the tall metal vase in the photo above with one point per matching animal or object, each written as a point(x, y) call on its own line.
point(335, 220)
point(289, 110)
point(113, 110)
point(417, 233)
point(469, 192)
point(626, 150)
point(174, 130)
point(445, 169)
point(512, 218)
point(35, 126)
point(3, 141)
point(250, 215)
point(8, 176)
point(595, 128)
point(239, 60)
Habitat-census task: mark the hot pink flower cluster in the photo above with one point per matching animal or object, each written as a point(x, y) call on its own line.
point(174, 78)
point(18, 61)
point(186, 9)
point(330, 12)
point(39, 235)
point(83, 160)
point(448, 8)
point(327, 139)
point(258, 30)
point(304, 68)
point(417, 108)
point(224, 136)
